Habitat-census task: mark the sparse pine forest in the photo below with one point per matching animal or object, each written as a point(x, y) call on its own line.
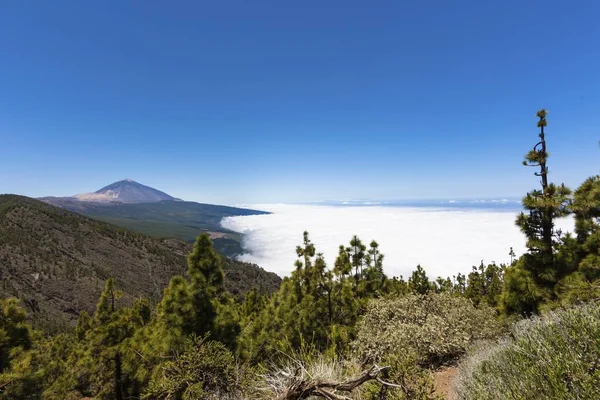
point(342, 329)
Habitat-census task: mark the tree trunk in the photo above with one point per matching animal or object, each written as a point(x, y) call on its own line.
point(118, 378)
point(547, 224)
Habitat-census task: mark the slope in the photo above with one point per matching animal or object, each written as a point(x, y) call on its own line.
point(57, 261)
point(180, 219)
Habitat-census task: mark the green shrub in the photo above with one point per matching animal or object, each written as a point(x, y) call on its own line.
point(556, 356)
point(204, 370)
point(435, 327)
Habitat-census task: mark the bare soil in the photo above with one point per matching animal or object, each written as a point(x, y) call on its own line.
point(444, 382)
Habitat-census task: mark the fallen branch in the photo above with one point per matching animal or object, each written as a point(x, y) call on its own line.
point(304, 388)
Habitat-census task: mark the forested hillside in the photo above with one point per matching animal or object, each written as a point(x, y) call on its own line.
point(57, 262)
point(162, 219)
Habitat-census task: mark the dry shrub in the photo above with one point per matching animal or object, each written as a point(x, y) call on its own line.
point(556, 356)
point(286, 370)
point(436, 328)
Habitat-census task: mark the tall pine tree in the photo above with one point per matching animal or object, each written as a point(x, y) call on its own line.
point(531, 281)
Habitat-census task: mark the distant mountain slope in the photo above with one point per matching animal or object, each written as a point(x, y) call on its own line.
point(168, 217)
point(57, 261)
point(125, 191)
point(180, 219)
point(196, 215)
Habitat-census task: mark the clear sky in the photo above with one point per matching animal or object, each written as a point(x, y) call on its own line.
point(280, 101)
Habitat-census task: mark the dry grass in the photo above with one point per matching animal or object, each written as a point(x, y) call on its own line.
point(288, 370)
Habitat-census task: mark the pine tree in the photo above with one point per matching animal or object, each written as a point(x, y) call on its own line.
point(460, 284)
point(484, 284)
point(196, 306)
point(317, 306)
point(397, 286)
point(419, 282)
point(544, 208)
point(175, 313)
point(16, 339)
point(374, 281)
point(511, 254)
point(45, 370)
point(84, 324)
point(357, 255)
point(254, 302)
point(582, 253)
point(541, 271)
point(227, 322)
point(101, 356)
point(205, 288)
point(475, 290)
point(161, 337)
point(14, 330)
point(343, 266)
point(493, 278)
point(586, 207)
point(443, 285)
point(206, 261)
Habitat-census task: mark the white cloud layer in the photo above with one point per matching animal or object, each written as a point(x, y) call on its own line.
point(444, 242)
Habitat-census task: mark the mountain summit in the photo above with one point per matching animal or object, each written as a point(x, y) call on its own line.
point(125, 191)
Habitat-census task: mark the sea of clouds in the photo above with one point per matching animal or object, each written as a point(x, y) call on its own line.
point(444, 241)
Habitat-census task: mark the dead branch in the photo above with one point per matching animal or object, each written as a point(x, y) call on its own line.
point(304, 388)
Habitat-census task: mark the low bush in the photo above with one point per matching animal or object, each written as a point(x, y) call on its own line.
point(555, 356)
point(205, 370)
point(436, 328)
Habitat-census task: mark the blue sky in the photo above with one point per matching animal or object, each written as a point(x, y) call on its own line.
point(253, 101)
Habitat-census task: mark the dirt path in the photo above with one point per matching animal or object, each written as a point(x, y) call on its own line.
point(443, 382)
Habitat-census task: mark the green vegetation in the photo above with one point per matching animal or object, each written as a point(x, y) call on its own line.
point(57, 263)
point(434, 329)
point(178, 219)
point(338, 331)
point(201, 342)
point(557, 269)
point(14, 332)
point(203, 370)
point(555, 356)
point(315, 304)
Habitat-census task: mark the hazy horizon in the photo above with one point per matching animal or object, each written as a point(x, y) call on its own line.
point(407, 201)
point(345, 201)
